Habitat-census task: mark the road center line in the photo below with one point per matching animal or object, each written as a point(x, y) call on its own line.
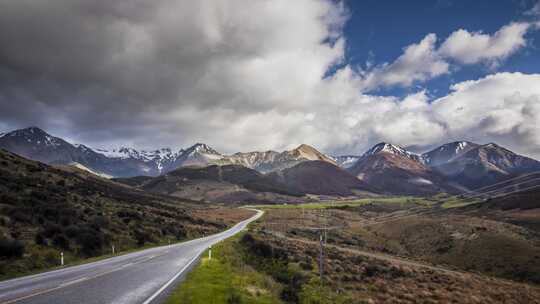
point(80, 280)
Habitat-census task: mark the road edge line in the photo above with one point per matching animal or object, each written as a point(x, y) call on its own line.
point(159, 291)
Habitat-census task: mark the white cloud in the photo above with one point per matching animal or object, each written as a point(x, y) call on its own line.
point(424, 61)
point(419, 62)
point(535, 10)
point(503, 107)
point(474, 47)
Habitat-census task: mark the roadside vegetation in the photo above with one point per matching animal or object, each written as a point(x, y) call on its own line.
point(226, 278)
point(264, 266)
point(46, 210)
point(244, 269)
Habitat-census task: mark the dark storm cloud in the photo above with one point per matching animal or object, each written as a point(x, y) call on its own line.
point(239, 75)
point(121, 68)
point(117, 66)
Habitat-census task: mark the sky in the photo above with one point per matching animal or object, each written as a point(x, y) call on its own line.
point(250, 75)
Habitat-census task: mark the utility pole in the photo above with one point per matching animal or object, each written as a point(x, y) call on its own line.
point(320, 221)
point(321, 256)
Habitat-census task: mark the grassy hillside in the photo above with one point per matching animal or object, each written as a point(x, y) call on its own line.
point(45, 210)
point(228, 184)
point(322, 178)
point(480, 239)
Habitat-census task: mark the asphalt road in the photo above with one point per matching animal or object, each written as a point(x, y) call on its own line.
point(141, 277)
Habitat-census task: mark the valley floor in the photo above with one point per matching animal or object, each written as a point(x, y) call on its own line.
point(387, 251)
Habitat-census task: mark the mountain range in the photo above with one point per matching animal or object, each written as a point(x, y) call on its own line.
point(385, 168)
point(36, 144)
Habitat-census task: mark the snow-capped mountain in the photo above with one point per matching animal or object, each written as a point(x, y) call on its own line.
point(483, 165)
point(392, 149)
point(157, 162)
point(272, 161)
point(384, 166)
point(159, 159)
point(395, 170)
point(36, 144)
point(447, 152)
point(260, 161)
point(197, 155)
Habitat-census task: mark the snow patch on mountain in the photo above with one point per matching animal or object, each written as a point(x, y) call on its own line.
point(84, 168)
point(446, 152)
point(346, 161)
point(392, 149)
point(421, 181)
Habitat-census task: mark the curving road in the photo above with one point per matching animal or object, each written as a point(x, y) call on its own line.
point(142, 277)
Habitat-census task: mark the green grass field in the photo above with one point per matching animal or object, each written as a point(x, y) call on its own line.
point(225, 279)
point(358, 202)
point(444, 200)
point(455, 202)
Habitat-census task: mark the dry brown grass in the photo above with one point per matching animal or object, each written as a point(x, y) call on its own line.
point(441, 250)
point(375, 280)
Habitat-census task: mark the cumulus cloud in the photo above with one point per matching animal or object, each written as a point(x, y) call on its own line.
point(503, 107)
point(470, 48)
point(424, 60)
point(239, 75)
point(419, 62)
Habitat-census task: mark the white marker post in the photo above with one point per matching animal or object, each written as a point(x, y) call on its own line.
point(62, 258)
point(112, 247)
point(210, 252)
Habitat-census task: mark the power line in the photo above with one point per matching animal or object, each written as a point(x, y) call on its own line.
point(502, 189)
point(520, 190)
point(479, 194)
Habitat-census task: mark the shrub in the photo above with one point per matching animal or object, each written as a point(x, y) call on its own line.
point(99, 221)
point(20, 215)
point(91, 241)
point(51, 230)
point(40, 239)
point(72, 231)
point(262, 249)
point(61, 241)
point(142, 237)
point(11, 248)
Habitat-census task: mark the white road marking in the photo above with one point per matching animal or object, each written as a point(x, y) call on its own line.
point(152, 297)
point(73, 282)
point(220, 237)
point(214, 239)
